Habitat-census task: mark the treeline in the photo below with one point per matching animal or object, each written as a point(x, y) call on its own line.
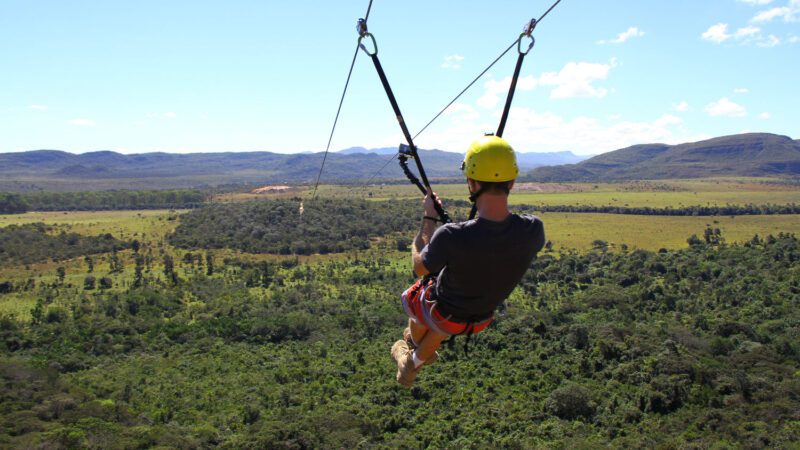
point(292, 227)
point(695, 348)
point(102, 200)
point(12, 204)
point(37, 242)
point(727, 210)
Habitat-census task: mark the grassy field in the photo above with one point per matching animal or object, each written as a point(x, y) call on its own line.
point(578, 231)
point(565, 230)
point(661, 194)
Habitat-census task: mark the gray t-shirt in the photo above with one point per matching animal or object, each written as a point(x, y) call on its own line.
point(481, 261)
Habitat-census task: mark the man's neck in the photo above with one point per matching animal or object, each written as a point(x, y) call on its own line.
point(493, 207)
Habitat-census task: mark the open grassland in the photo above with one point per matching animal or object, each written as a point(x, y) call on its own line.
point(122, 224)
point(660, 194)
point(564, 230)
point(579, 230)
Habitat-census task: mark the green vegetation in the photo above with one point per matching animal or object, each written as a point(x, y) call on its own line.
point(115, 200)
point(696, 347)
point(291, 227)
point(30, 243)
point(12, 204)
point(692, 343)
point(101, 201)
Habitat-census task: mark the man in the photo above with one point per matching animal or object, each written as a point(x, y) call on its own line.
point(468, 268)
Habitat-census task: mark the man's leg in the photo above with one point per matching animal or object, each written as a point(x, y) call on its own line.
point(418, 331)
point(429, 344)
point(409, 361)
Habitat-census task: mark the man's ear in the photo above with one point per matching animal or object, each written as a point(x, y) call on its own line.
point(511, 184)
point(473, 185)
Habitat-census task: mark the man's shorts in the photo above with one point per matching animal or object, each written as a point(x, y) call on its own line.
point(419, 305)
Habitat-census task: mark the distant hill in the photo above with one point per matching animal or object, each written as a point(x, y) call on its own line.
point(362, 150)
point(751, 154)
point(526, 161)
point(101, 170)
point(741, 155)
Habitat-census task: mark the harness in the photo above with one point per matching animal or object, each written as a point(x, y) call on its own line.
point(428, 295)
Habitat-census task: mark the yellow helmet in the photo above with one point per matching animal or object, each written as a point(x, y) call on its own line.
point(490, 158)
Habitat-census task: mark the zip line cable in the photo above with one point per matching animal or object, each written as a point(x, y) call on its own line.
point(443, 109)
point(467, 88)
point(339, 110)
point(529, 30)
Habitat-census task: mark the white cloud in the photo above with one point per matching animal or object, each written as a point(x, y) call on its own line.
point(792, 39)
point(764, 115)
point(717, 33)
point(769, 41)
point(164, 115)
point(746, 32)
point(452, 62)
point(681, 107)
point(530, 130)
point(725, 107)
point(789, 13)
point(461, 112)
point(741, 91)
point(749, 35)
point(548, 132)
point(631, 32)
point(494, 89)
point(38, 107)
point(756, 2)
point(83, 122)
point(575, 80)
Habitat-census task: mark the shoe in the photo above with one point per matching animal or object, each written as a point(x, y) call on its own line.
point(412, 346)
point(403, 356)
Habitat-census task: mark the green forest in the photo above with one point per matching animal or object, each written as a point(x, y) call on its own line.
point(188, 345)
point(39, 242)
point(11, 203)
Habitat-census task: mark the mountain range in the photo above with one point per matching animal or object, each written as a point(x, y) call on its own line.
point(526, 160)
point(753, 154)
point(748, 155)
point(59, 170)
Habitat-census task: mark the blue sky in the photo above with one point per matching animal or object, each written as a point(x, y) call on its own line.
point(199, 76)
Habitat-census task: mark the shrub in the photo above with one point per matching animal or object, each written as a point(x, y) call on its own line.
point(570, 402)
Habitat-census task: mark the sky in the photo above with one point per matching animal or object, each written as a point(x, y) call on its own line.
point(256, 75)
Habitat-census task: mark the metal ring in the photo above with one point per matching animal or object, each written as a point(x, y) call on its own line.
point(519, 44)
point(364, 47)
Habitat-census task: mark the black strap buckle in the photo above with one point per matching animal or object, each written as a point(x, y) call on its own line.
point(406, 150)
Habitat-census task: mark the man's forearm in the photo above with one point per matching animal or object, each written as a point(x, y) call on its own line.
point(423, 237)
point(426, 230)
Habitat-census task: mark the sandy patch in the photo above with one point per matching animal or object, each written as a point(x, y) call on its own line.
point(546, 187)
point(270, 189)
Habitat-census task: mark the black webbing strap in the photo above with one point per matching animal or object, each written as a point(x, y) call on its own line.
point(510, 96)
point(412, 149)
point(513, 87)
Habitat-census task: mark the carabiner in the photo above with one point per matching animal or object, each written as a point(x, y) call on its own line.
point(364, 47)
point(519, 44)
point(527, 30)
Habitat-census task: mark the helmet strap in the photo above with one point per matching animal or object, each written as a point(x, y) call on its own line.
point(473, 197)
